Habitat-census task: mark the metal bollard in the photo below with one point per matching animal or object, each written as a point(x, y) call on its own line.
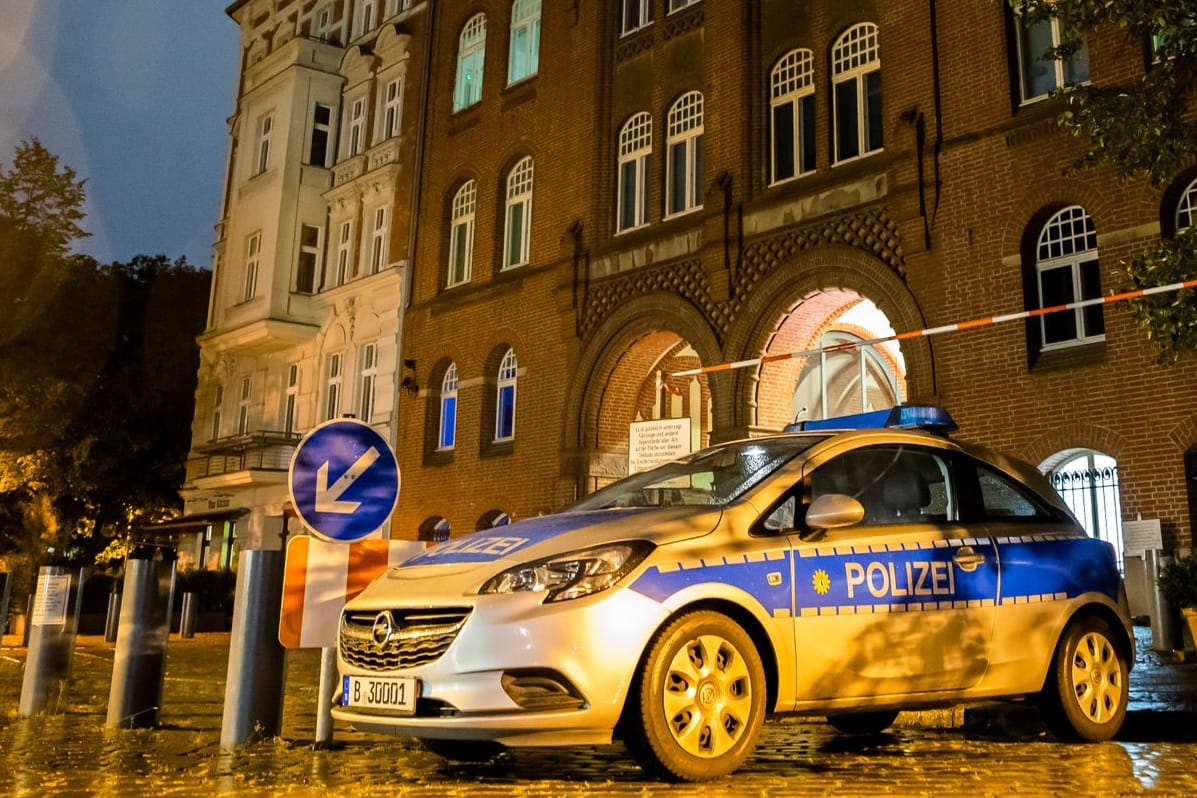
point(188, 616)
point(53, 621)
point(112, 620)
point(1164, 631)
point(253, 697)
point(139, 664)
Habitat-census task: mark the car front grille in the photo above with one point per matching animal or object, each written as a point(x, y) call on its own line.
point(418, 637)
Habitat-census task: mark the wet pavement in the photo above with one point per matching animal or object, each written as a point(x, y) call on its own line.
point(999, 750)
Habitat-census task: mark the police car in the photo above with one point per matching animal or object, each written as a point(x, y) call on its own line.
point(844, 573)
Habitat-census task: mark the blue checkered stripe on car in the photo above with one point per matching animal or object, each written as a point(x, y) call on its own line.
point(764, 574)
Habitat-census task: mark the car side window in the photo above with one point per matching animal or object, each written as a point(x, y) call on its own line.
point(1003, 498)
point(895, 484)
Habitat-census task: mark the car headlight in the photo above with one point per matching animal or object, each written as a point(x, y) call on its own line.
point(574, 574)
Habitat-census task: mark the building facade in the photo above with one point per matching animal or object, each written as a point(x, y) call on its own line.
point(586, 198)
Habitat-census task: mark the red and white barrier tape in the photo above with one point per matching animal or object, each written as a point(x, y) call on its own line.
point(929, 331)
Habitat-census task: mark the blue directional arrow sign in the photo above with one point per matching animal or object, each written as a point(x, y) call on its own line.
point(344, 480)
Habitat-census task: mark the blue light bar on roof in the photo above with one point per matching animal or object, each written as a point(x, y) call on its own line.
point(926, 417)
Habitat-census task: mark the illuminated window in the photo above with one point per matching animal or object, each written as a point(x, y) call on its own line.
point(523, 55)
point(471, 53)
point(505, 404)
point(447, 436)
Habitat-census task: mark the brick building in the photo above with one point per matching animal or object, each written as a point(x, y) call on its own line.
point(587, 197)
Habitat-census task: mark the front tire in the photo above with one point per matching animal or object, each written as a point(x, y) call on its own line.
point(1087, 688)
point(699, 699)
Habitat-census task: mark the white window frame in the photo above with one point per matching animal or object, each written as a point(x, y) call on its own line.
point(523, 51)
point(357, 126)
point(792, 86)
point(1073, 70)
point(471, 59)
point(291, 400)
point(678, 5)
point(253, 255)
point(1068, 240)
point(517, 234)
point(635, 154)
point(333, 372)
point(1186, 208)
point(855, 55)
point(322, 23)
point(461, 234)
point(265, 126)
point(684, 129)
point(446, 436)
point(508, 375)
point(345, 253)
point(365, 19)
point(243, 406)
point(378, 239)
point(367, 376)
point(392, 108)
point(634, 15)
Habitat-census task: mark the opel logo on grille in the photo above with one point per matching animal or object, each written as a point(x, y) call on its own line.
point(384, 627)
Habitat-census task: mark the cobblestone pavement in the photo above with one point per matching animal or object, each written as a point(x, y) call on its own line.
point(69, 752)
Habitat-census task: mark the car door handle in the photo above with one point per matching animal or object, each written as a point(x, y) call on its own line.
point(968, 558)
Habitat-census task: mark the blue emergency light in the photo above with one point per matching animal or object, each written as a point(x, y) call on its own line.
point(925, 417)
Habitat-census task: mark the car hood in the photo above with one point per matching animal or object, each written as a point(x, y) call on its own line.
point(547, 535)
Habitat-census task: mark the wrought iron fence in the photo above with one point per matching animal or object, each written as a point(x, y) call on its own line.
point(1092, 494)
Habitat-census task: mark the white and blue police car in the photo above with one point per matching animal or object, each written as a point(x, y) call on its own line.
point(849, 573)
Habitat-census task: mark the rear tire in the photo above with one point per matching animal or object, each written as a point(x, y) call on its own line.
point(1086, 693)
point(863, 722)
point(697, 706)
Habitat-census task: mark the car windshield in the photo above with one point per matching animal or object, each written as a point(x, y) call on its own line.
point(716, 476)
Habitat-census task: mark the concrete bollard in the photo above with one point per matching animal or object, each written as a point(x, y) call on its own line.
point(139, 664)
point(53, 622)
point(253, 697)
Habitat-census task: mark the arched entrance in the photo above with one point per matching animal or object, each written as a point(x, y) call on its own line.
point(841, 375)
point(1087, 480)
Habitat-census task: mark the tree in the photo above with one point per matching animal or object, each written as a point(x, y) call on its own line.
point(1144, 129)
point(40, 202)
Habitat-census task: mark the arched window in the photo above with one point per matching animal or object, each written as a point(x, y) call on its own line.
point(434, 528)
point(683, 144)
point(492, 519)
point(1066, 269)
point(447, 436)
point(505, 398)
point(843, 378)
point(471, 54)
point(518, 224)
point(792, 116)
point(1186, 208)
point(635, 150)
point(523, 55)
point(856, 92)
point(461, 234)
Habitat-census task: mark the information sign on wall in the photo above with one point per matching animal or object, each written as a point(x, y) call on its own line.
point(651, 443)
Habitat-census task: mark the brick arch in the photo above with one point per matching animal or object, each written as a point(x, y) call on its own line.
point(604, 350)
point(818, 276)
point(1184, 434)
point(1073, 435)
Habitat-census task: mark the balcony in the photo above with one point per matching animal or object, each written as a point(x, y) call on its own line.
point(262, 451)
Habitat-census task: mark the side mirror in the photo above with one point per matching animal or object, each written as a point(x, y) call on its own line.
point(834, 510)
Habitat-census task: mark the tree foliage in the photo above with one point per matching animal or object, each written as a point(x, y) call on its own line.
point(99, 365)
point(1144, 128)
point(41, 201)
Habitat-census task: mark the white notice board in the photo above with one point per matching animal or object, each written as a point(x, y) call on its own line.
point(50, 603)
point(651, 443)
point(1140, 536)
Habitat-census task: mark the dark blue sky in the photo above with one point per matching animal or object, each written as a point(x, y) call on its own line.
point(133, 95)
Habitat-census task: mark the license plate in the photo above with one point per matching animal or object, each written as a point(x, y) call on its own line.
point(395, 693)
